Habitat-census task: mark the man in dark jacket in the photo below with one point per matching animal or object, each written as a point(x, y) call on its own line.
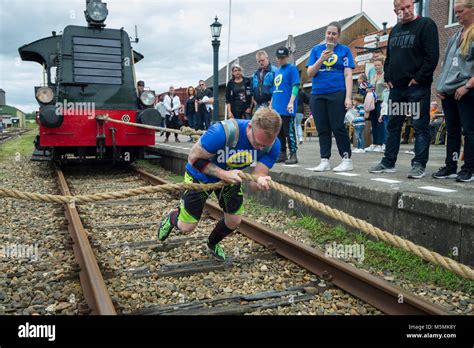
point(412, 56)
point(263, 80)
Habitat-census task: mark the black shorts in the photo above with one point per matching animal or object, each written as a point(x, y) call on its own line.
point(231, 199)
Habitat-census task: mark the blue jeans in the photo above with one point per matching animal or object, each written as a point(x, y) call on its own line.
point(192, 120)
point(419, 97)
point(299, 129)
point(359, 134)
point(203, 119)
point(207, 119)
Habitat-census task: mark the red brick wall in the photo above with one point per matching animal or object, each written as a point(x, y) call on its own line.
point(439, 12)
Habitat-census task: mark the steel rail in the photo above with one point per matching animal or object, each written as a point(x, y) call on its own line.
point(95, 291)
point(379, 293)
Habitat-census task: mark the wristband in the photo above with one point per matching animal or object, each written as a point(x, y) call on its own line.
point(201, 164)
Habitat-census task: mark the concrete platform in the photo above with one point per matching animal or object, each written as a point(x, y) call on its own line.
point(438, 214)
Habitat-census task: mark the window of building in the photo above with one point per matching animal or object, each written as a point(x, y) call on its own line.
point(452, 18)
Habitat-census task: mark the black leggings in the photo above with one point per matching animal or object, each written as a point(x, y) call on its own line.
point(329, 113)
point(459, 120)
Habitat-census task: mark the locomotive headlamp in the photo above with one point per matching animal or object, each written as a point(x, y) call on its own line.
point(96, 12)
point(45, 95)
point(147, 98)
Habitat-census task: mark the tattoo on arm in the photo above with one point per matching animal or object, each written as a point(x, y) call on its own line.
point(213, 170)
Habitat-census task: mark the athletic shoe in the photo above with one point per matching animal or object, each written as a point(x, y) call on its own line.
point(417, 171)
point(410, 152)
point(445, 173)
point(383, 148)
point(379, 148)
point(292, 160)
point(324, 166)
point(380, 168)
point(345, 166)
point(282, 157)
point(465, 175)
point(371, 148)
point(301, 141)
point(165, 228)
point(358, 151)
point(217, 252)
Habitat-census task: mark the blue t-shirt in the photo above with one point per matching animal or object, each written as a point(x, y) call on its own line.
point(286, 77)
point(330, 77)
point(241, 156)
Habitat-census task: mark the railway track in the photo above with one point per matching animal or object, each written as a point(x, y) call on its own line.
point(9, 135)
point(125, 270)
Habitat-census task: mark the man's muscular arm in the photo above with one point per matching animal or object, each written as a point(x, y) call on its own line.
point(199, 158)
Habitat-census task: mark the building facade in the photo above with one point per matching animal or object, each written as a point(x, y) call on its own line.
point(9, 115)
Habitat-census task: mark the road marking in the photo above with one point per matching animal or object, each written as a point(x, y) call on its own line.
point(290, 165)
point(437, 189)
point(388, 181)
point(347, 174)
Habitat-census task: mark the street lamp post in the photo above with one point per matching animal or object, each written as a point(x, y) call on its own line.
point(216, 33)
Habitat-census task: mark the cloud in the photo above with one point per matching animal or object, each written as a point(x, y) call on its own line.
point(174, 35)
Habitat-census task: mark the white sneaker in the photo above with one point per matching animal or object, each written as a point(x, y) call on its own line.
point(358, 151)
point(379, 148)
point(345, 166)
point(324, 166)
point(371, 148)
point(383, 148)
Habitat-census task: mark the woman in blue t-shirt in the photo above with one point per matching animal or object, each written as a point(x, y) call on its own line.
point(330, 65)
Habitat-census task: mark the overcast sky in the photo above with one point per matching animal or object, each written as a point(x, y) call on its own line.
point(174, 35)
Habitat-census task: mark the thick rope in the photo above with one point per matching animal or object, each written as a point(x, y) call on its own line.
point(183, 130)
point(428, 255)
point(168, 188)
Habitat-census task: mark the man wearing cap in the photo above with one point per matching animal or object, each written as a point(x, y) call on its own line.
point(284, 101)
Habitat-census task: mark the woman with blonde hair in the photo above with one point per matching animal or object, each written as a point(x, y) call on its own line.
point(455, 88)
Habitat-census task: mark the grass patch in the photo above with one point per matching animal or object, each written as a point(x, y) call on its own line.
point(380, 256)
point(157, 169)
point(22, 146)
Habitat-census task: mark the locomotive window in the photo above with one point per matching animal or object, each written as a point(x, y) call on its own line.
point(97, 61)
